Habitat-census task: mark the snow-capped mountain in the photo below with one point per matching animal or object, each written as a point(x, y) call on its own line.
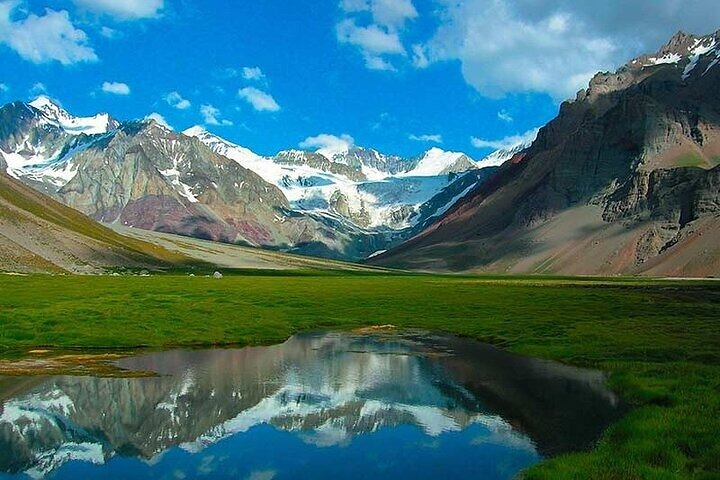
point(369, 188)
point(344, 203)
point(56, 115)
point(498, 157)
point(437, 162)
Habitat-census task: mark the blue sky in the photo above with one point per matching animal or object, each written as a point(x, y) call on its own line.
point(397, 75)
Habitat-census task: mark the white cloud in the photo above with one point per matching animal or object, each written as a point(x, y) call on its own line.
point(175, 100)
point(252, 73)
point(373, 41)
point(554, 46)
point(505, 116)
point(124, 9)
point(435, 138)
point(116, 88)
point(389, 13)
point(393, 13)
point(159, 119)
point(211, 116)
point(260, 101)
point(47, 38)
point(507, 142)
point(4, 88)
point(328, 142)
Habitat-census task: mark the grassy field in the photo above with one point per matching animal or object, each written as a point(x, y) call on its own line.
point(660, 339)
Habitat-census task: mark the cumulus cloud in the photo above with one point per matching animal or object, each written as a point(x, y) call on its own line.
point(124, 9)
point(378, 38)
point(507, 142)
point(435, 138)
point(46, 38)
point(252, 73)
point(159, 119)
point(260, 101)
point(175, 100)
point(554, 46)
point(373, 41)
point(328, 142)
point(116, 88)
point(211, 116)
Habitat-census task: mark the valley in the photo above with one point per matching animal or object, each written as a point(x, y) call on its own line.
point(359, 239)
point(629, 327)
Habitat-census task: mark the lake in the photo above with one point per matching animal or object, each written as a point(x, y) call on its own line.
point(321, 405)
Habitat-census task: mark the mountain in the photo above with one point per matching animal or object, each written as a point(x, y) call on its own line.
point(346, 203)
point(624, 180)
point(39, 235)
point(498, 157)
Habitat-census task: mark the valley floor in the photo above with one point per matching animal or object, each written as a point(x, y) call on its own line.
point(660, 339)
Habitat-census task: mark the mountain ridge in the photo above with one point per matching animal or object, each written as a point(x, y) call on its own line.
point(623, 180)
point(195, 183)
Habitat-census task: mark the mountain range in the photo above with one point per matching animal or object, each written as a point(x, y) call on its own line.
point(341, 204)
point(625, 180)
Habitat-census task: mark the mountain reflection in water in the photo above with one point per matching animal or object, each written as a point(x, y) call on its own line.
point(405, 405)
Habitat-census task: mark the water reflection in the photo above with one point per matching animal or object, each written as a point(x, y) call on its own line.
point(319, 405)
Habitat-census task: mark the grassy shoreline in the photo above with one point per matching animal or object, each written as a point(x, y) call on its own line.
point(659, 338)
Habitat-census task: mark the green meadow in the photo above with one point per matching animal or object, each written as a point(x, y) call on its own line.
point(659, 339)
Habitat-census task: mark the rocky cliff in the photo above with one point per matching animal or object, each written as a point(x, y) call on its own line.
point(624, 180)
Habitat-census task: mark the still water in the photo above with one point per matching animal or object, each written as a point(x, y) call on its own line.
point(330, 405)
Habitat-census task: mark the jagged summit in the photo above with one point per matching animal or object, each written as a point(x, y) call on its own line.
point(56, 114)
point(682, 49)
point(196, 131)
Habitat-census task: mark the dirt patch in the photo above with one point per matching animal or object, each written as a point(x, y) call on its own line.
point(375, 329)
point(45, 363)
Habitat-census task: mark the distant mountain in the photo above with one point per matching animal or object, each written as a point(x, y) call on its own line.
point(624, 180)
point(39, 235)
point(341, 204)
point(498, 157)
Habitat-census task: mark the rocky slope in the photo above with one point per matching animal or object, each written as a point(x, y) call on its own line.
point(39, 235)
point(624, 180)
point(340, 204)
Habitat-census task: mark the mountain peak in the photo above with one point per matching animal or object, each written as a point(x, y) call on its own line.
point(434, 151)
point(57, 115)
point(48, 106)
point(196, 131)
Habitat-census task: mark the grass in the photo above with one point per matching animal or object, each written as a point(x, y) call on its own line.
point(661, 339)
point(690, 159)
point(30, 203)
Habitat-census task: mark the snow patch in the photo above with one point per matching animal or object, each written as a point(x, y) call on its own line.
point(668, 58)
